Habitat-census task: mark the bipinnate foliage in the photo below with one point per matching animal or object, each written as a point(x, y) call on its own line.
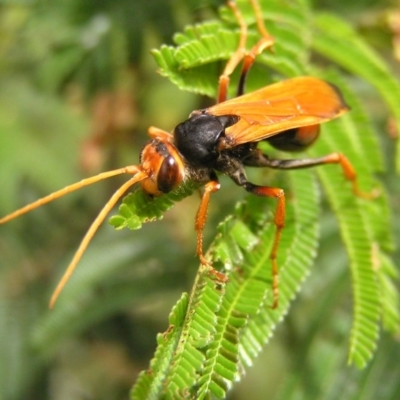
point(219, 329)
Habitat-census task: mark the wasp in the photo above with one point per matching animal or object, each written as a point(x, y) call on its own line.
point(224, 139)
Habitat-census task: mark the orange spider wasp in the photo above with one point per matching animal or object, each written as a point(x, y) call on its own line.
point(223, 138)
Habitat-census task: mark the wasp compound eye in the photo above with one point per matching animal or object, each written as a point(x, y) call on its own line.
point(163, 165)
point(169, 175)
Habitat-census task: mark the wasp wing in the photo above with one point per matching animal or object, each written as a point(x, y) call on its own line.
point(289, 104)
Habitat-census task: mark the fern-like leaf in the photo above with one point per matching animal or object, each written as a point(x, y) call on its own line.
point(363, 222)
point(226, 325)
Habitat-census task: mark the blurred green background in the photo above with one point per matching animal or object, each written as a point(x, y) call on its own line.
point(78, 90)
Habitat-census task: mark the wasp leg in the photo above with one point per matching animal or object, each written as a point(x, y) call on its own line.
point(241, 53)
point(279, 221)
point(258, 159)
point(236, 57)
point(237, 173)
point(201, 216)
point(265, 42)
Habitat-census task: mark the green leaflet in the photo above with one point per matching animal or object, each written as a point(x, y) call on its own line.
point(138, 207)
point(150, 382)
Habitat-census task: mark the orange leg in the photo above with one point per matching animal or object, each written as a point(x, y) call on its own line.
point(266, 41)
point(279, 221)
point(259, 159)
point(349, 173)
point(201, 218)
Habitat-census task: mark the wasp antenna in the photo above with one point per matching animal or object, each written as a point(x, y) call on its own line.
point(155, 132)
point(68, 189)
point(92, 230)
